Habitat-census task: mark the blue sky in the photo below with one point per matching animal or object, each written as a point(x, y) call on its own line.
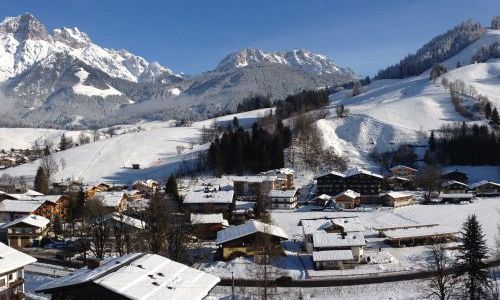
point(193, 36)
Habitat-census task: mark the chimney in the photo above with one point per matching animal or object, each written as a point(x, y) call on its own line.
point(93, 263)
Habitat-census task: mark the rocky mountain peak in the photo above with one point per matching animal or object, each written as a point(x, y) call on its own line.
point(24, 27)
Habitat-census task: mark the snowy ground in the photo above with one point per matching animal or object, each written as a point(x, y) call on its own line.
point(154, 147)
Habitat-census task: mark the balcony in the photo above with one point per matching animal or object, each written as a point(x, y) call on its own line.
point(16, 283)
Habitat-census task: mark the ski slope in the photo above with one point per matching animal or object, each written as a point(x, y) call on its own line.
point(154, 148)
point(394, 111)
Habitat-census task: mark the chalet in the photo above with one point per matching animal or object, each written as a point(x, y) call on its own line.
point(145, 186)
point(399, 183)
point(249, 188)
point(206, 226)
point(347, 199)
point(282, 199)
point(485, 188)
point(209, 199)
point(364, 182)
point(328, 225)
point(12, 263)
point(14, 209)
point(455, 175)
point(322, 200)
point(113, 200)
point(250, 239)
point(404, 172)
point(98, 188)
point(132, 276)
point(27, 231)
point(453, 187)
point(398, 199)
point(284, 178)
point(242, 211)
point(353, 241)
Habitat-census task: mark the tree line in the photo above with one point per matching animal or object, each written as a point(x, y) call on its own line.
point(302, 102)
point(464, 145)
point(238, 151)
point(437, 50)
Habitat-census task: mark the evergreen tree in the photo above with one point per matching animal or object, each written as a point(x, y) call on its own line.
point(472, 253)
point(171, 188)
point(236, 122)
point(432, 141)
point(487, 110)
point(63, 143)
point(41, 183)
point(57, 225)
point(494, 118)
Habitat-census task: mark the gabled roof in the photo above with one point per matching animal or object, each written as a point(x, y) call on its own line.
point(402, 167)
point(349, 193)
point(141, 276)
point(357, 171)
point(323, 197)
point(250, 227)
point(32, 220)
point(12, 259)
point(121, 218)
point(419, 232)
point(253, 178)
point(335, 173)
point(483, 182)
point(332, 255)
point(335, 240)
point(450, 182)
point(396, 195)
point(208, 219)
point(111, 199)
point(348, 224)
point(21, 206)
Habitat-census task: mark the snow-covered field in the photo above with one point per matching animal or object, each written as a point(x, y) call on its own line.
point(154, 148)
point(25, 138)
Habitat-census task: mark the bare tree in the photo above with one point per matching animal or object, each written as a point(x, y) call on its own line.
point(157, 219)
point(430, 180)
point(95, 226)
point(49, 166)
point(441, 284)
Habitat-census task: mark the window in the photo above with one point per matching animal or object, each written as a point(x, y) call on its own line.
point(10, 276)
point(2, 282)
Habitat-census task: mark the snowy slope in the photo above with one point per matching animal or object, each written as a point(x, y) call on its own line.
point(394, 111)
point(154, 149)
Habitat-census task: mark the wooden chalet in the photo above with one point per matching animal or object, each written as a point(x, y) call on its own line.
point(455, 175)
point(485, 188)
point(398, 199)
point(404, 172)
point(27, 231)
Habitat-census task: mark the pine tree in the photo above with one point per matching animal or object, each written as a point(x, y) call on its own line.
point(472, 254)
point(171, 188)
point(494, 118)
point(236, 122)
point(487, 110)
point(432, 141)
point(63, 143)
point(41, 183)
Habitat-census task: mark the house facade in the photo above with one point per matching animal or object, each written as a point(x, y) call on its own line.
point(348, 199)
point(27, 231)
point(398, 199)
point(404, 172)
point(283, 199)
point(485, 188)
point(12, 265)
point(364, 182)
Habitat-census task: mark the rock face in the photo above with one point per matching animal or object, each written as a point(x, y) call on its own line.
point(54, 78)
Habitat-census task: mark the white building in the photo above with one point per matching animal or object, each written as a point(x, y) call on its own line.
point(283, 199)
point(12, 263)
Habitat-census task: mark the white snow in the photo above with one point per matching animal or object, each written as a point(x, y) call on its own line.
point(88, 90)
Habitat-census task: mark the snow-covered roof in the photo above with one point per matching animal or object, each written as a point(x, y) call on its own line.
point(450, 182)
point(284, 171)
point(22, 206)
point(32, 193)
point(193, 197)
point(119, 217)
point(323, 197)
point(250, 227)
point(142, 276)
point(357, 171)
point(208, 219)
point(50, 198)
point(149, 183)
point(349, 193)
point(398, 178)
point(456, 195)
point(483, 182)
point(330, 173)
point(32, 220)
point(253, 178)
point(348, 224)
point(12, 259)
point(111, 199)
point(418, 232)
point(396, 195)
point(335, 240)
point(282, 193)
point(332, 255)
point(402, 167)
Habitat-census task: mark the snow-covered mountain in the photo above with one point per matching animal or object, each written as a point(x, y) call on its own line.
point(299, 59)
point(24, 41)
